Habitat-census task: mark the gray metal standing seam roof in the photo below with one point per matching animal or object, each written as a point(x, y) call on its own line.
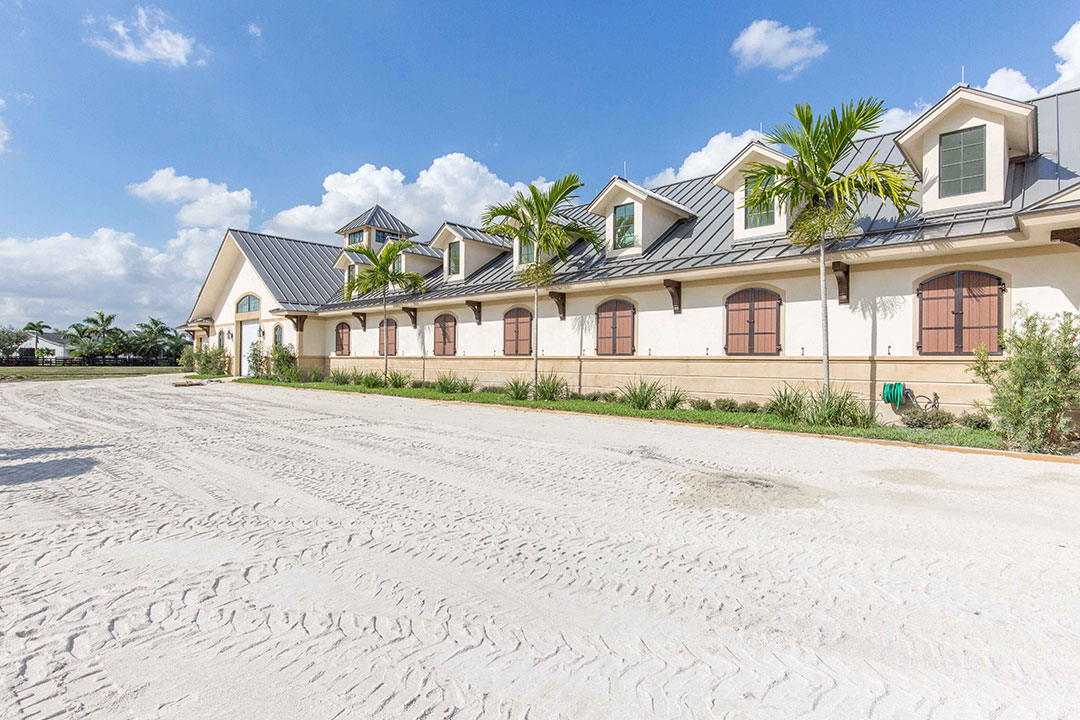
point(470, 233)
point(300, 274)
point(707, 240)
point(379, 217)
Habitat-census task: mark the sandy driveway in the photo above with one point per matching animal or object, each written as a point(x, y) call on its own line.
point(238, 552)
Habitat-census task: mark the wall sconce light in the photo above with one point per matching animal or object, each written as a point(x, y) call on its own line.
point(262, 333)
point(228, 334)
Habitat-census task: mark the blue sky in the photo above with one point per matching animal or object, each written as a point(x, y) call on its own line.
point(132, 135)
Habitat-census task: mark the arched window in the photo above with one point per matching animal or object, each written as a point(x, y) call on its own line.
point(445, 335)
point(615, 328)
point(278, 339)
point(388, 337)
point(341, 339)
point(753, 322)
point(248, 303)
point(221, 338)
point(958, 311)
point(517, 332)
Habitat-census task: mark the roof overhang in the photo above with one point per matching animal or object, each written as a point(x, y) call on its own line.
point(619, 185)
point(345, 259)
point(1059, 211)
point(730, 176)
point(1021, 133)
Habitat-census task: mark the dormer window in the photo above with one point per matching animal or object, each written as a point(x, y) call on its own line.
point(399, 263)
point(355, 238)
point(963, 161)
point(759, 218)
point(453, 258)
point(624, 226)
point(351, 273)
point(381, 236)
point(526, 252)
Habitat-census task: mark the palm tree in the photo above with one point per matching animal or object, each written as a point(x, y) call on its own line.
point(538, 220)
point(100, 324)
point(151, 337)
point(77, 331)
point(382, 272)
point(814, 181)
point(37, 328)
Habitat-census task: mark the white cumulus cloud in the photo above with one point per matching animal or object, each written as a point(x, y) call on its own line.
point(205, 204)
point(768, 43)
point(254, 30)
point(708, 160)
point(145, 39)
point(454, 187)
point(1013, 83)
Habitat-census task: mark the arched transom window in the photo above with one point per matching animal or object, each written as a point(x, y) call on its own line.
point(445, 335)
point(248, 303)
point(753, 322)
point(517, 332)
point(958, 311)
point(341, 339)
point(615, 328)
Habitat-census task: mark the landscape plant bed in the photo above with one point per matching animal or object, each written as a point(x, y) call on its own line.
point(80, 372)
point(958, 436)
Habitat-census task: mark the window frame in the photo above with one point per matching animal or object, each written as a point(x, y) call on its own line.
point(385, 236)
point(342, 339)
point(615, 236)
point(250, 298)
point(771, 297)
point(961, 179)
point(355, 237)
point(958, 313)
point(279, 335)
point(440, 325)
point(615, 337)
point(453, 258)
point(522, 244)
point(516, 324)
point(391, 332)
point(755, 220)
point(221, 339)
point(399, 263)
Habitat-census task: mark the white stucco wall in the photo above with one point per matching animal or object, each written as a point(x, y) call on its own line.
point(997, 158)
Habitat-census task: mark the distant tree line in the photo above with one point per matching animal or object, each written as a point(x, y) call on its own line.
point(98, 337)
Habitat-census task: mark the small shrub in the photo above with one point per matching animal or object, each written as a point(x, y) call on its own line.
point(288, 375)
point(609, 396)
point(491, 389)
point(187, 359)
point(642, 394)
point(257, 362)
point(421, 384)
point(550, 387)
point(1036, 383)
point(843, 408)
point(674, 399)
point(356, 377)
point(340, 377)
point(373, 379)
point(726, 404)
point(789, 403)
point(467, 385)
point(701, 404)
point(749, 407)
point(312, 375)
point(398, 379)
point(517, 389)
point(212, 362)
point(448, 383)
point(282, 360)
point(978, 420)
point(932, 419)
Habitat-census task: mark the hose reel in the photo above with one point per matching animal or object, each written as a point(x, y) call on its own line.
point(896, 394)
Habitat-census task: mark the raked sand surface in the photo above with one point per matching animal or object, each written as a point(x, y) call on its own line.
point(252, 553)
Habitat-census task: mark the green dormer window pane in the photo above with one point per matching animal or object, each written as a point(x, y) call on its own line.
point(527, 253)
point(962, 162)
point(356, 237)
point(624, 226)
point(382, 236)
point(399, 262)
point(760, 218)
point(453, 258)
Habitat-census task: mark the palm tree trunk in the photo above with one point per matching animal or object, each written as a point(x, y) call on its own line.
point(824, 317)
point(383, 338)
point(536, 335)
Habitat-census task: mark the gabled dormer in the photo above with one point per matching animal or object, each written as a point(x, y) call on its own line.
point(634, 216)
point(749, 225)
point(960, 148)
point(373, 228)
point(466, 249)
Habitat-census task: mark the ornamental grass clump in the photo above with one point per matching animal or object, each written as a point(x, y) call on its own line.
point(452, 383)
point(789, 403)
point(838, 408)
point(517, 389)
point(550, 387)
point(398, 379)
point(674, 398)
point(1036, 383)
point(373, 379)
point(642, 394)
point(340, 377)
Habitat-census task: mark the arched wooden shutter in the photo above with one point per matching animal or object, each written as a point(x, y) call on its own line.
point(388, 337)
point(615, 328)
point(517, 332)
point(341, 339)
point(753, 323)
point(958, 311)
point(445, 335)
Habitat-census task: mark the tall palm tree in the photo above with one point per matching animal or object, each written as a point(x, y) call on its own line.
point(100, 324)
point(815, 183)
point(150, 337)
point(538, 220)
point(382, 272)
point(37, 328)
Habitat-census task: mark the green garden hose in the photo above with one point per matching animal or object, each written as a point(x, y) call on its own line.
point(893, 394)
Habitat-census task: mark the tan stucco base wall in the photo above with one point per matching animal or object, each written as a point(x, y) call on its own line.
point(710, 377)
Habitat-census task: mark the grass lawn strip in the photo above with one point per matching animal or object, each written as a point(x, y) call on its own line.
point(960, 437)
point(77, 372)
